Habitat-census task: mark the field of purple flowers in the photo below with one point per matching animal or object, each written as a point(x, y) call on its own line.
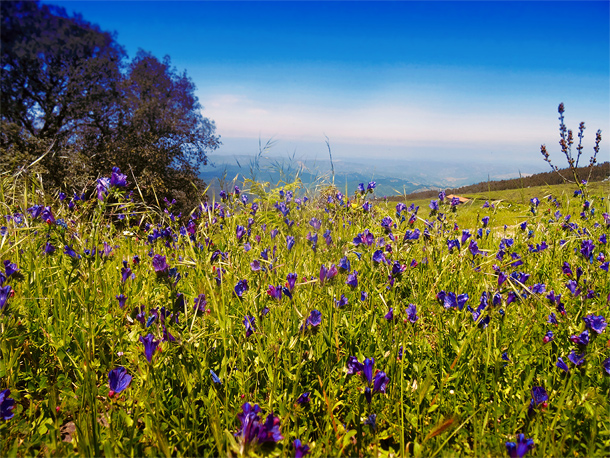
point(275, 323)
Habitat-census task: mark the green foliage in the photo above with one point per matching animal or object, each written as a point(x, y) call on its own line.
point(451, 393)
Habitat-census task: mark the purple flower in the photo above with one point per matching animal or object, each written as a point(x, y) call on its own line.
point(412, 235)
point(378, 256)
point(390, 315)
point(102, 186)
point(48, 249)
point(304, 398)
point(474, 248)
point(502, 277)
point(215, 378)
point(582, 339)
point(595, 323)
point(371, 186)
point(289, 242)
point(150, 345)
point(300, 450)
point(364, 296)
point(240, 231)
point(433, 205)
point(465, 236)
point(353, 366)
point(548, 337)
point(125, 272)
point(606, 365)
point(10, 268)
point(342, 302)
point(519, 449)
point(332, 272)
point(117, 178)
point(538, 288)
point(485, 221)
point(315, 223)
point(451, 244)
point(361, 188)
point(586, 248)
point(450, 300)
point(249, 323)
point(118, 380)
point(573, 287)
point(577, 360)
point(250, 423)
point(275, 292)
point(255, 265)
point(314, 319)
point(367, 369)
point(200, 303)
point(380, 382)
point(241, 287)
point(6, 405)
point(411, 311)
point(291, 279)
point(160, 265)
point(35, 211)
point(344, 264)
point(352, 279)
point(539, 396)
point(122, 299)
point(562, 365)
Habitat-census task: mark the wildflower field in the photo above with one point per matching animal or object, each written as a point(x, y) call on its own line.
point(278, 323)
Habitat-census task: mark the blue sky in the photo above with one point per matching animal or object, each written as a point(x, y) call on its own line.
point(480, 80)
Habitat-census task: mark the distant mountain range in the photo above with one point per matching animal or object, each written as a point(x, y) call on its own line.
point(393, 176)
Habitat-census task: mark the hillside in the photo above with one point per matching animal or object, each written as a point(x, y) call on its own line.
point(599, 172)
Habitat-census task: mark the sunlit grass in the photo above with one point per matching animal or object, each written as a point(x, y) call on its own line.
point(451, 393)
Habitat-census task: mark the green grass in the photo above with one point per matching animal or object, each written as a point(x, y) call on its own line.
point(450, 394)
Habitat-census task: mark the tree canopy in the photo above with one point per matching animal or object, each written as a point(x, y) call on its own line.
point(70, 96)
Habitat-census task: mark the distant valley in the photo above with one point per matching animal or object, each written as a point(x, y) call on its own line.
point(393, 176)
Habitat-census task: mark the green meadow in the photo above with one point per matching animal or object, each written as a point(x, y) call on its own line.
point(275, 323)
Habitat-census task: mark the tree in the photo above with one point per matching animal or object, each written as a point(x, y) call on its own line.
point(67, 95)
point(161, 135)
point(57, 73)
